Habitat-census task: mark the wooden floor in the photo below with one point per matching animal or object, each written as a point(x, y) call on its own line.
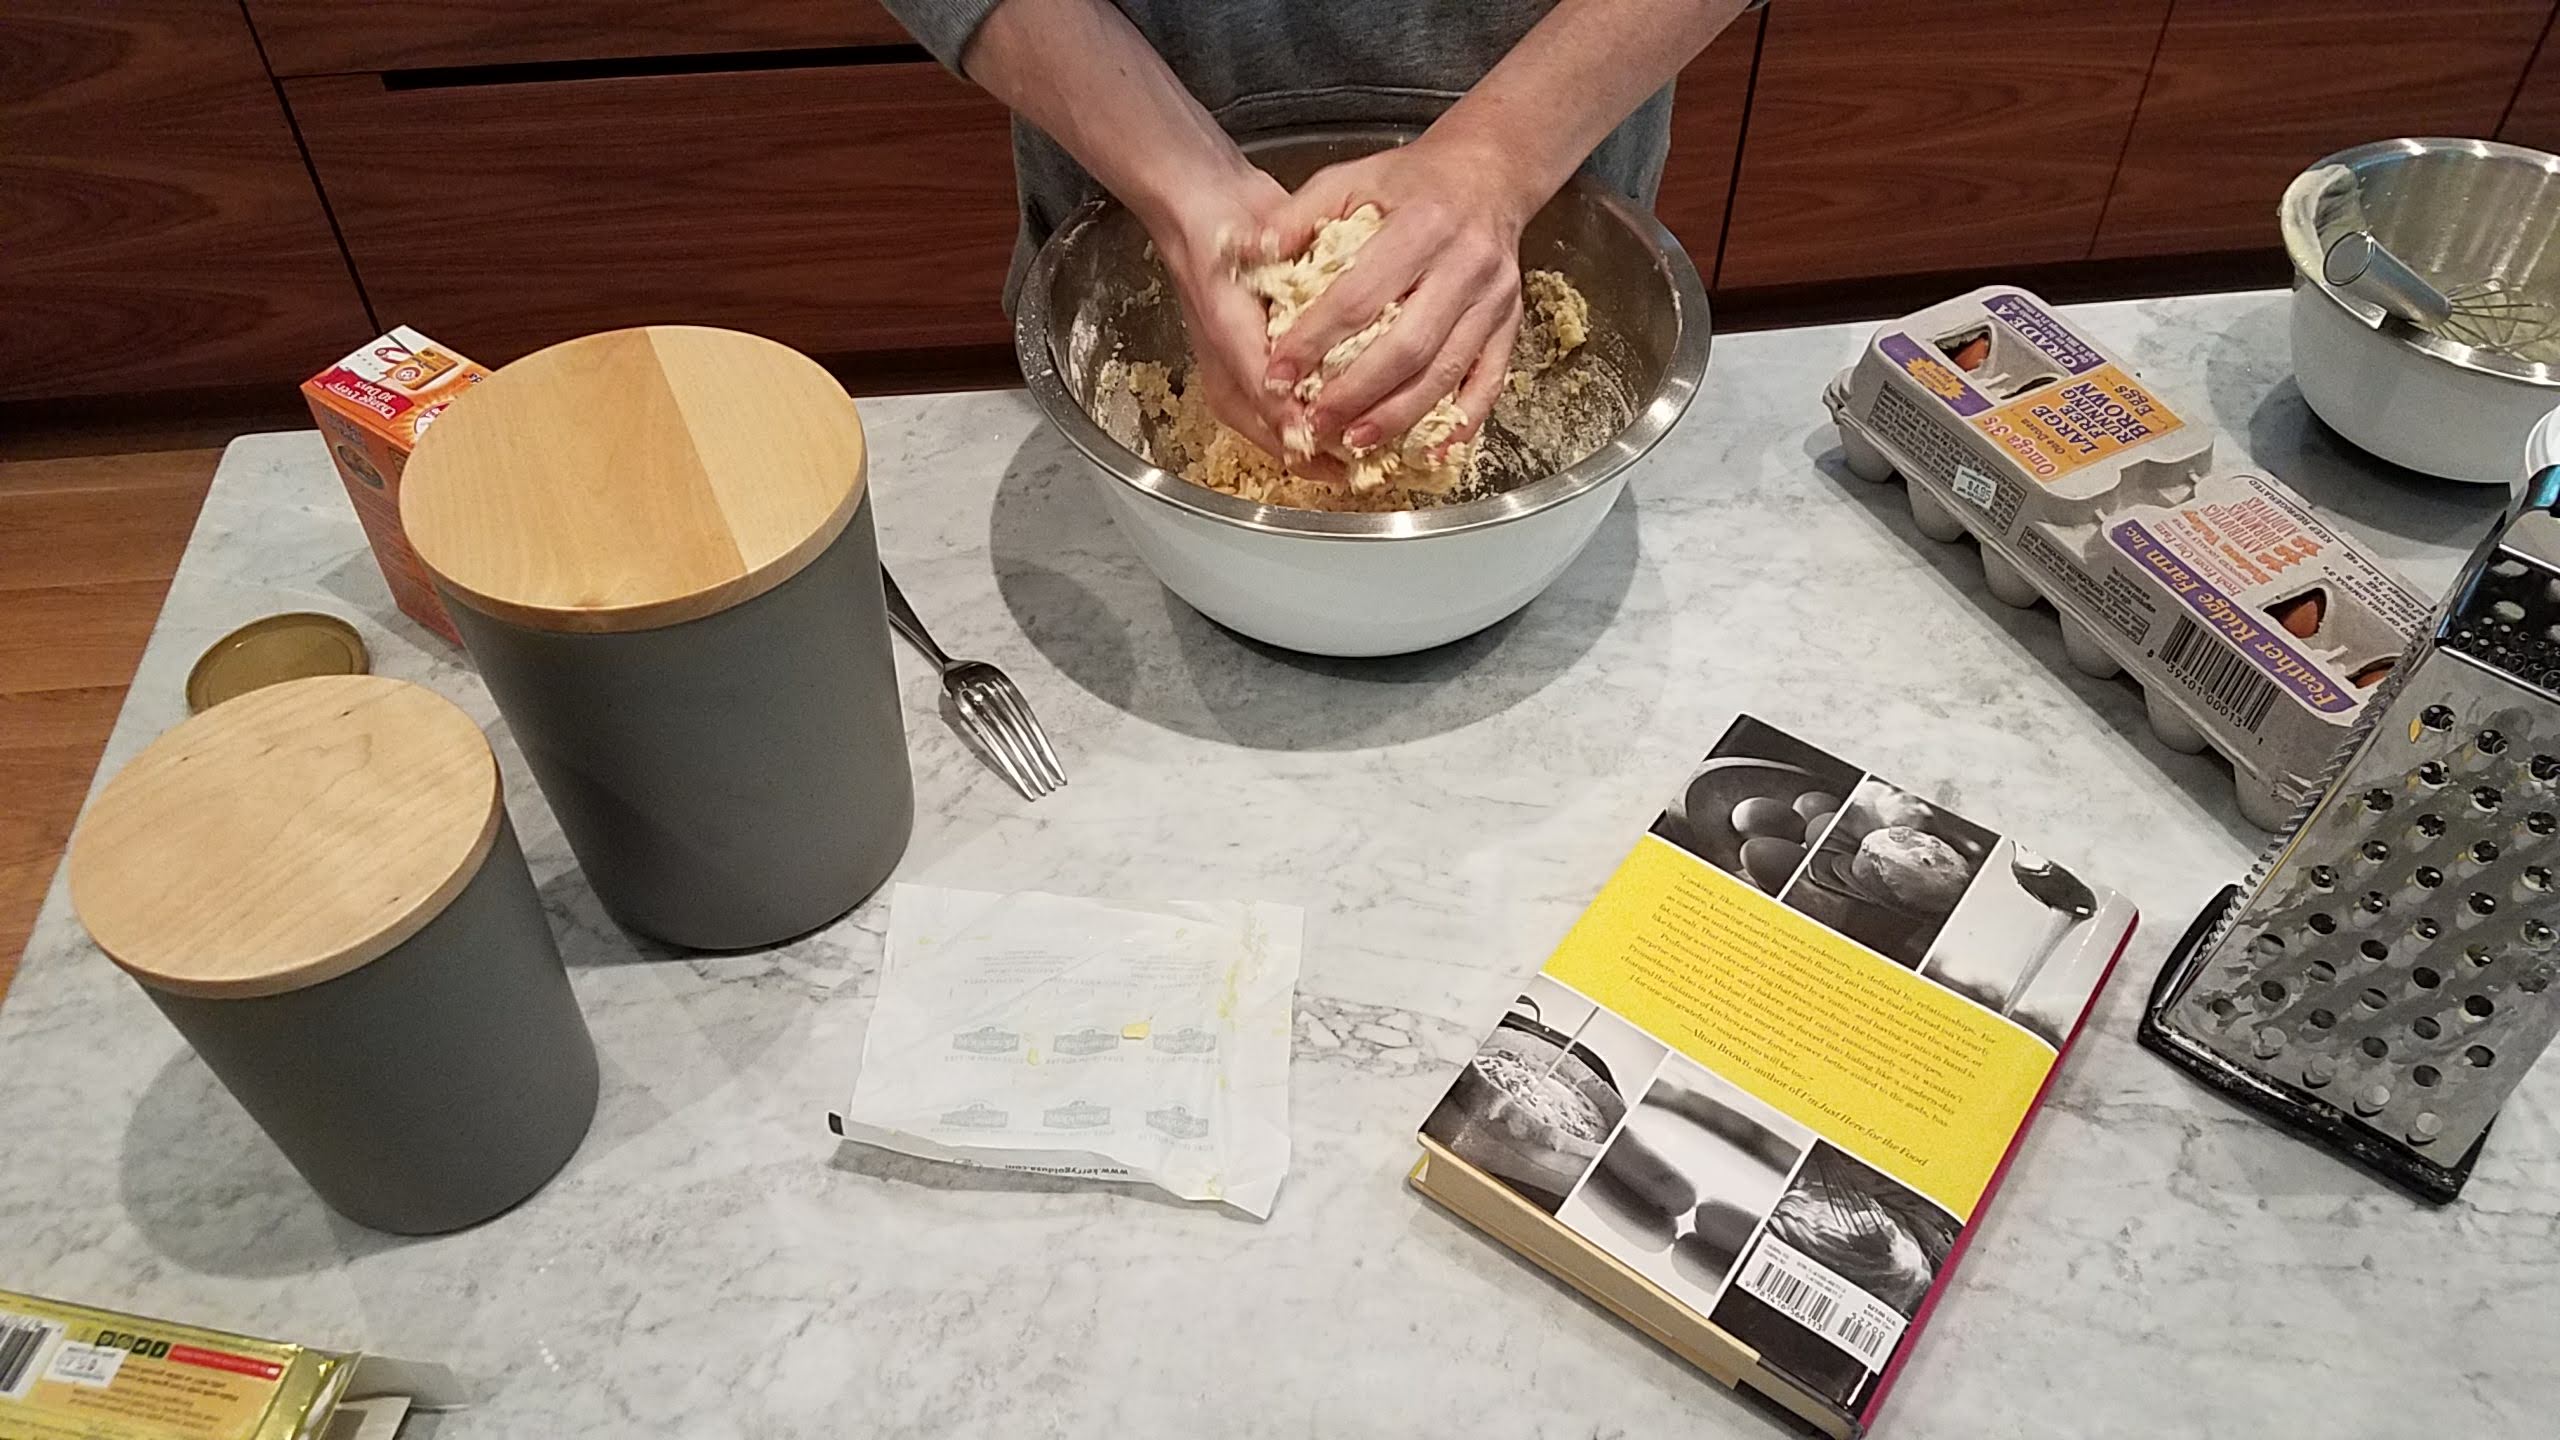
point(88, 544)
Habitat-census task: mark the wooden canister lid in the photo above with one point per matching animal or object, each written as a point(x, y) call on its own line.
point(634, 479)
point(286, 837)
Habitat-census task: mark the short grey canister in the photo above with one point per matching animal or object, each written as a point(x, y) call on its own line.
point(658, 546)
point(317, 884)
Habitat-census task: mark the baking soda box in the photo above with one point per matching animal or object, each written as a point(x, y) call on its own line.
point(372, 407)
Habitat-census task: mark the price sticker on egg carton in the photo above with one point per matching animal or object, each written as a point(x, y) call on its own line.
point(2255, 629)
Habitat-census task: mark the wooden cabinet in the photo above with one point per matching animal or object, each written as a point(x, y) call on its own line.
point(2534, 118)
point(1706, 130)
point(1890, 139)
point(157, 229)
point(327, 37)
point(833, 208)
point(2246, 94)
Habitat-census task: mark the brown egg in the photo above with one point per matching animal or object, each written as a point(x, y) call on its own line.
point(1815, 827)
point(1768, 861)
point(1815, 802)
point(1761, 818)
point(2301, 615)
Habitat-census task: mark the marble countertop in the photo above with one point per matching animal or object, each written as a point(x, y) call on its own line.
point(715, 1264)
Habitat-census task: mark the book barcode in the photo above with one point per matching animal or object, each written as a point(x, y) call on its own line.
point(22, 1344)
point(1792, 1295)
point(2227, 681)
point(1821, 1300)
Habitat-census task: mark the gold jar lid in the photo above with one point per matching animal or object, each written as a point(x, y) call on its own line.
point(634, 479)
point(286, 837)
point(273, 649)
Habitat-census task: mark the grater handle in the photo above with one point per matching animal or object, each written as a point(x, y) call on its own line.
point(2543, 491)
point(2541, 455)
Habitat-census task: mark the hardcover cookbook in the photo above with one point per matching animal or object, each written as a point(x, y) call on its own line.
point(1755, 1100)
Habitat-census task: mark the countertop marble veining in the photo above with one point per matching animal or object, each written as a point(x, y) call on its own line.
point(714, 1264)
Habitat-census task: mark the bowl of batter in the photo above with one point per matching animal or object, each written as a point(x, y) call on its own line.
point(1614, 346)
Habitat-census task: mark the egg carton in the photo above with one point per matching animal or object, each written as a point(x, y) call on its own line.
point(2254, 629)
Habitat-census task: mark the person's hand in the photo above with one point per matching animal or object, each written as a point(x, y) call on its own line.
point(1448, 251)
point(1199, 238)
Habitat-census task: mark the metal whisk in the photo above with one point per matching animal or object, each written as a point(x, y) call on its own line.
point(2486, 314)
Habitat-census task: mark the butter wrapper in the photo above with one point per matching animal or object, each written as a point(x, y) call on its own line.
point(1069, 1037)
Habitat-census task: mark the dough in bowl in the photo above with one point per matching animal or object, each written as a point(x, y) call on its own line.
point(1912, 868)
point(1560, 402)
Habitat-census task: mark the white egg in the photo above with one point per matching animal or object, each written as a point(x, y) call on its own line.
point(1767, 862)
point(1762, 818)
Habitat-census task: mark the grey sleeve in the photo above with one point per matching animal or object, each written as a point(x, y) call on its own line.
point(943, 27)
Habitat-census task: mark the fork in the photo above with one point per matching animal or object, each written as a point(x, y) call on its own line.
point(991, 708)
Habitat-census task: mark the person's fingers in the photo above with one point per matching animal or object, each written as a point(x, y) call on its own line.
point(1234, 400)
point(1493, 366)
point(1320, 467)
point(1237, 406)
point(1244, 409)
point(1379, 275)
point(1382, 395)
point(1228, 351)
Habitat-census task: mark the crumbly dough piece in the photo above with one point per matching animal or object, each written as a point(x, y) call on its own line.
point(1427, 457)
point(1554, 322)
point(1288, 287)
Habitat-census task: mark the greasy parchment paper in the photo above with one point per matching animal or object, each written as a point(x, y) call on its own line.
point(1061, 1036)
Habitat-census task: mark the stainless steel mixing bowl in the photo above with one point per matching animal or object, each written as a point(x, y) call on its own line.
point(1361, 584)
point(2457, 211)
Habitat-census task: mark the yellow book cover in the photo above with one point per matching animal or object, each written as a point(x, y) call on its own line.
point(1775, 1070)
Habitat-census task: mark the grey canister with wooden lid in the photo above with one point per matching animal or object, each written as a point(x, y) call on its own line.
point(318, 885)
point(657, 545)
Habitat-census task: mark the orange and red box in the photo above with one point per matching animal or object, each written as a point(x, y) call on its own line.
point(371, 407)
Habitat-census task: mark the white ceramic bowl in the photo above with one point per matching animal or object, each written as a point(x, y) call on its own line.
point(2456, 210)
point(1362, 584)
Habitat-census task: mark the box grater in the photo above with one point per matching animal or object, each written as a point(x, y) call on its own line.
point(2381, 983)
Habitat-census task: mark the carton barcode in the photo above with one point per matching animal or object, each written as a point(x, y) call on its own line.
point(2223, 678)
point(22, 1344)
point(1791, 1295)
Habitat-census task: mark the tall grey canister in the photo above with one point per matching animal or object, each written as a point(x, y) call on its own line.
point(316, 882)
point(658, 547)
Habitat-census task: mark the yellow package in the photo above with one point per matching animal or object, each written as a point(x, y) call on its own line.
point(73, 1372)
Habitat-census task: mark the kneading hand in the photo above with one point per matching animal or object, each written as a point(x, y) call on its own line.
point(1198, 242)
point(1448, 253)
